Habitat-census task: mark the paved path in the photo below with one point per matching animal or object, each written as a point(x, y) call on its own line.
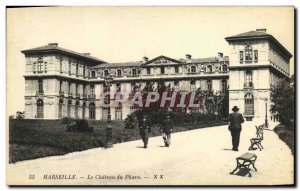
point(197, 157)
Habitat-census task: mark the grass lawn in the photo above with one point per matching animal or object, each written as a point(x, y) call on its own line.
point(31, 139)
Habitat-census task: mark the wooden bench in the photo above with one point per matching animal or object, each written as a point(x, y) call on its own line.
point(244, 162)
point(256, 142)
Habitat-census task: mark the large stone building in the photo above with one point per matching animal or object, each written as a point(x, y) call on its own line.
point(63, 83)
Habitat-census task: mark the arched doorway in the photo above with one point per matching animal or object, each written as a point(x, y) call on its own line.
point(40, 109)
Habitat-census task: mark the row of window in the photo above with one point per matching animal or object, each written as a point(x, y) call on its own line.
point(133, 85)
point(135, 72)
point(249, 109)
point(41, 66)
point(70, 69)
point(248, 54)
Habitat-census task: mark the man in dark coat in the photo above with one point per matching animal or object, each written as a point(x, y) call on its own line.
point(145, 129)
point(166, 129)
point(236, 119)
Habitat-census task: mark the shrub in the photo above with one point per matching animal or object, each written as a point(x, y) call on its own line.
point(67, 120)
point(81, 125)
point(178, 118)
point(129, 122)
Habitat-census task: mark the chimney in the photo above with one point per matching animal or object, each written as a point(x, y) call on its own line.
point(86, 54)
point(53, 44)
point(188, 56)
point(220, 54)
point(262, 30)
point(145, 59)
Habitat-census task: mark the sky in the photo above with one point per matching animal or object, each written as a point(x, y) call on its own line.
point(120, 34)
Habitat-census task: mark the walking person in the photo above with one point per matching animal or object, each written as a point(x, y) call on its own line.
point(145, 129)
point(236, 119)
point(167, 128)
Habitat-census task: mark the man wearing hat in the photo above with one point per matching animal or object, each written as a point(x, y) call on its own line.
point(236, 119)
point(145, 128)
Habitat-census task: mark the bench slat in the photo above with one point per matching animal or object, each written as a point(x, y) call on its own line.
point(247, 156)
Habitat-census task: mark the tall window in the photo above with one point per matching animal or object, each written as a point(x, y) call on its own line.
point(40, 65)
point(162, 70)
point(224, 68)
point(176, 83)
point(118, 110)
point(209, 85)
point(70, 65)
point(104, 113)
point(224, 86)
point(249, 104)
point(119, 72)
point(134, 72)
point(209, 69)
point(118, 87)
point(76, 90)
point(93, 74)
point(60, 85)
point(83, 72)
point(176, 69)
point(193, 85)
point(40, 109)
point(41, 89)
point(69, 108)
point(77, 69)
point(60, 107)
point(76, 109)
point(241, 56)
point(148, 71)
point(248, 53)
point(83, 110)
point(45, 67)
point(255, 55)
point(248, 79)
point(60, 65)
point(92, 111)
point(193, 69)
point(34, 67)
point(69, 89)
point(105, 73)
point(92, 91)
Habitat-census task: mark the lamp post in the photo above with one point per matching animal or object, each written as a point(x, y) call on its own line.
point(266, 117)
point(108, 80)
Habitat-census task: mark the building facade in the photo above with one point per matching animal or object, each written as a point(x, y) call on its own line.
point(257, 63)
point(63, 83)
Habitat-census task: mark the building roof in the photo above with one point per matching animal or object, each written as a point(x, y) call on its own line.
point(209, 59)
point(258, 34)
point(120, 64)
point(182, 61)
point(53, 47)
point(249, 34)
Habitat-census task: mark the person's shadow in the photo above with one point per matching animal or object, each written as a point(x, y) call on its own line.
point(227, 149)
